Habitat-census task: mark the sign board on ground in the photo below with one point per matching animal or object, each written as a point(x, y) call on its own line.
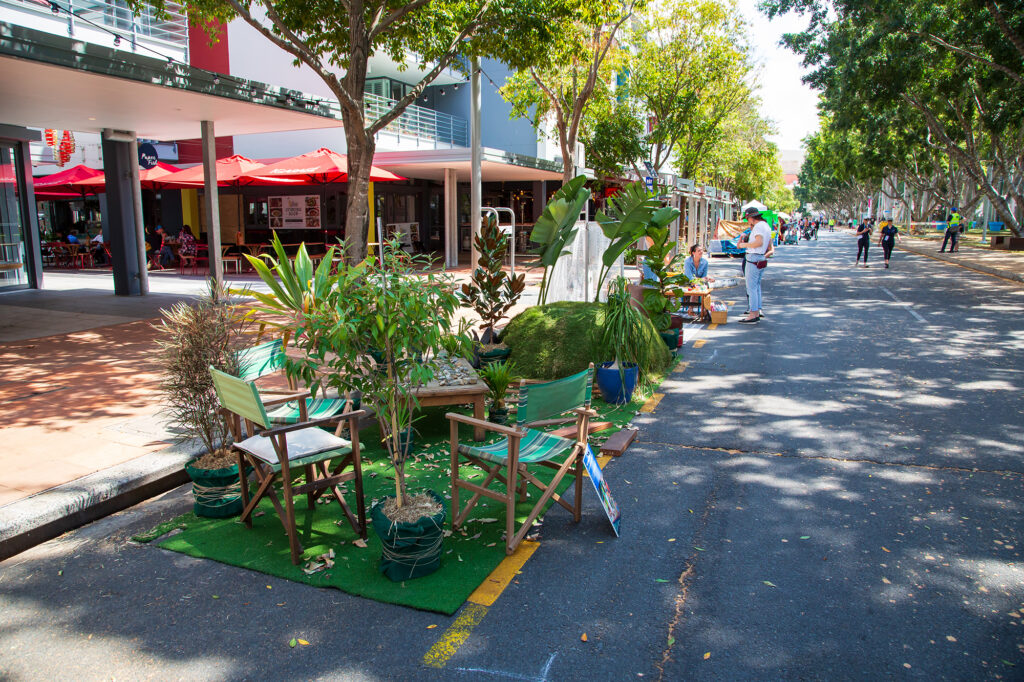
point(601, 486)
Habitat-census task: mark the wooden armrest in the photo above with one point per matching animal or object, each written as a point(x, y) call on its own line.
point(590, 412)
point(487, 426)
point(266, 391)
point(287, 398)
point(326, 421)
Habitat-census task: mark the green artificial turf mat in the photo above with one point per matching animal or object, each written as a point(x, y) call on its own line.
point(468, 556)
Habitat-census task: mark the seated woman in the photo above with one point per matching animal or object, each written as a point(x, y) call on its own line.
point(695, 264)
point(187, 246)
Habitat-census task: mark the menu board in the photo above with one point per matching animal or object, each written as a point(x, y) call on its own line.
point(295, 212)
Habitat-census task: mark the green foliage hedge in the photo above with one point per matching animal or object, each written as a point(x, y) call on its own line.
point(559, 339)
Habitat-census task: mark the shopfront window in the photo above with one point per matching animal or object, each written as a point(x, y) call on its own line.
point(13, 232)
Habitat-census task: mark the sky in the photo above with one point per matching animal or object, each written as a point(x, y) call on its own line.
point(785, 98)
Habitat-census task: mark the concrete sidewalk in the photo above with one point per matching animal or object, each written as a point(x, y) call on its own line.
point(1006, 264)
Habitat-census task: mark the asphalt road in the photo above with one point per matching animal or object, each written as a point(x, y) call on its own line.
point(835, 493)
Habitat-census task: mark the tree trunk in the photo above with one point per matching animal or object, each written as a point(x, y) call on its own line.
point(361, 148)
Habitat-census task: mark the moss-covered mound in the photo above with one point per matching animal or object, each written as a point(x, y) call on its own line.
point(559, 339)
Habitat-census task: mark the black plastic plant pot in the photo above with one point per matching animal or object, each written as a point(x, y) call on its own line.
point(617, 388)
point(671, 338)
point(216, 492)
point(488, 357)
point(409, 550)
point(498, 415)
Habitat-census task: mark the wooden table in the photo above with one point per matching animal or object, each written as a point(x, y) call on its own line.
point(690, 296)
point(433, 394)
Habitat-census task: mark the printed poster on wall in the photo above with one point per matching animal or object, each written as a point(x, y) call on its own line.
point(295, 212)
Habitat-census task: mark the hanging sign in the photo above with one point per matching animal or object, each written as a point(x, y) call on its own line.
point(611, 509)
point(147, 156)
point(295, 212)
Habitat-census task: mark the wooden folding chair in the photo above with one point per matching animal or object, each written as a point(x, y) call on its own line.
point(508, 460)
point(276, 454)
point(268, 358)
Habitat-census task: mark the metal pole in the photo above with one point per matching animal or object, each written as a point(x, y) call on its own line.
point(476, 191)
point(212, 201)
point(140, 230)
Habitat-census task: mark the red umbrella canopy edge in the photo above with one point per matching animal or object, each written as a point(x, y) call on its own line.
point(319, 167)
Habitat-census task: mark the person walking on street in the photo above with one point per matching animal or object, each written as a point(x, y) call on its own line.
point(863, 241)
point(757, 245)
point(952, 231)
point(888, 235)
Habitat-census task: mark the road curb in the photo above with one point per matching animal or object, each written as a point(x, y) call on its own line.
point(983, 269)
point(45, 515)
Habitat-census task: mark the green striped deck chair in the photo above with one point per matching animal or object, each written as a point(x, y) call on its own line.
point(508, 461)
point(283, 452)
point(268, 358)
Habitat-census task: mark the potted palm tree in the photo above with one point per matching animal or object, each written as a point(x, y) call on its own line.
point(404, 312)
point(498, 376)
point(622, 337)
point(192, 337)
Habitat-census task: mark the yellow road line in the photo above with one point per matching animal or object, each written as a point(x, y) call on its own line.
point(681, 367)
point(601, 461)
point(699, 343)
point(652, 402)
point(456, 634)
point(491, 588)
point(713, 325)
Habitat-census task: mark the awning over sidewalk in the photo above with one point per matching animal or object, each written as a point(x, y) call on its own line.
point(497, 166)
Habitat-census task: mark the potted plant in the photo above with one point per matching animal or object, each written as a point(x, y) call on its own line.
point(498, 376)
point(390, 306)
point(491, 291)
point(661, 291)
point(192, 338)
point(622, 338)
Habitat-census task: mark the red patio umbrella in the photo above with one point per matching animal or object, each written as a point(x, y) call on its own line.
point(232, 171)
point(321, 167)
point(151, 178)
point(69, 181)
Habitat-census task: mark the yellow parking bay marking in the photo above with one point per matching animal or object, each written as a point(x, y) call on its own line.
point(681, 367)
point(500, 577)
point(713, 325)
point(699, 343)
point(457, 633)
point(601, 461)
point(652, 402)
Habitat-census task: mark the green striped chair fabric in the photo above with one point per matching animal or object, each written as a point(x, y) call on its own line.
point(543, 401)
point(240, 397)
point(536, 402)
point(261, 360)
point(267, 358)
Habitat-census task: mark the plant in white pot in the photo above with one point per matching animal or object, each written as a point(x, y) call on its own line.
point(192, 337)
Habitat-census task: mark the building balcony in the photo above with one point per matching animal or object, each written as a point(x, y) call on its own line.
point(420, 123)
point(105, 22)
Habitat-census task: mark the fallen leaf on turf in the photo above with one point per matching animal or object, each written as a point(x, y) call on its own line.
point(707, 655)
point(431, 627)
point(950, 638)
point(671, 539)
point(293, 642)
point(886, 581)
point(583, 637)
point(303, 642)
point(360, 543)
point(769, 583)
point(887, 550)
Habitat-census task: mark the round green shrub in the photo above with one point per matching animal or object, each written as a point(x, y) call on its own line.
point(559, 339)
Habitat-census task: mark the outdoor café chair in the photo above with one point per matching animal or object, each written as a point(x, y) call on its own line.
point(278, 454)
point(508, 461)
point(268, 358)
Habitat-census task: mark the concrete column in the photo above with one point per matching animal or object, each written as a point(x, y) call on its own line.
point(451, 218)
point(120, 219)
point(136, 189)
point(211, 202)
point(475, 189)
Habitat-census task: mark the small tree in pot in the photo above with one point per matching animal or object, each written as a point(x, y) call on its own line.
point(623, 336)
point(491, 291)
point(192, 338)
point(387, 306)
